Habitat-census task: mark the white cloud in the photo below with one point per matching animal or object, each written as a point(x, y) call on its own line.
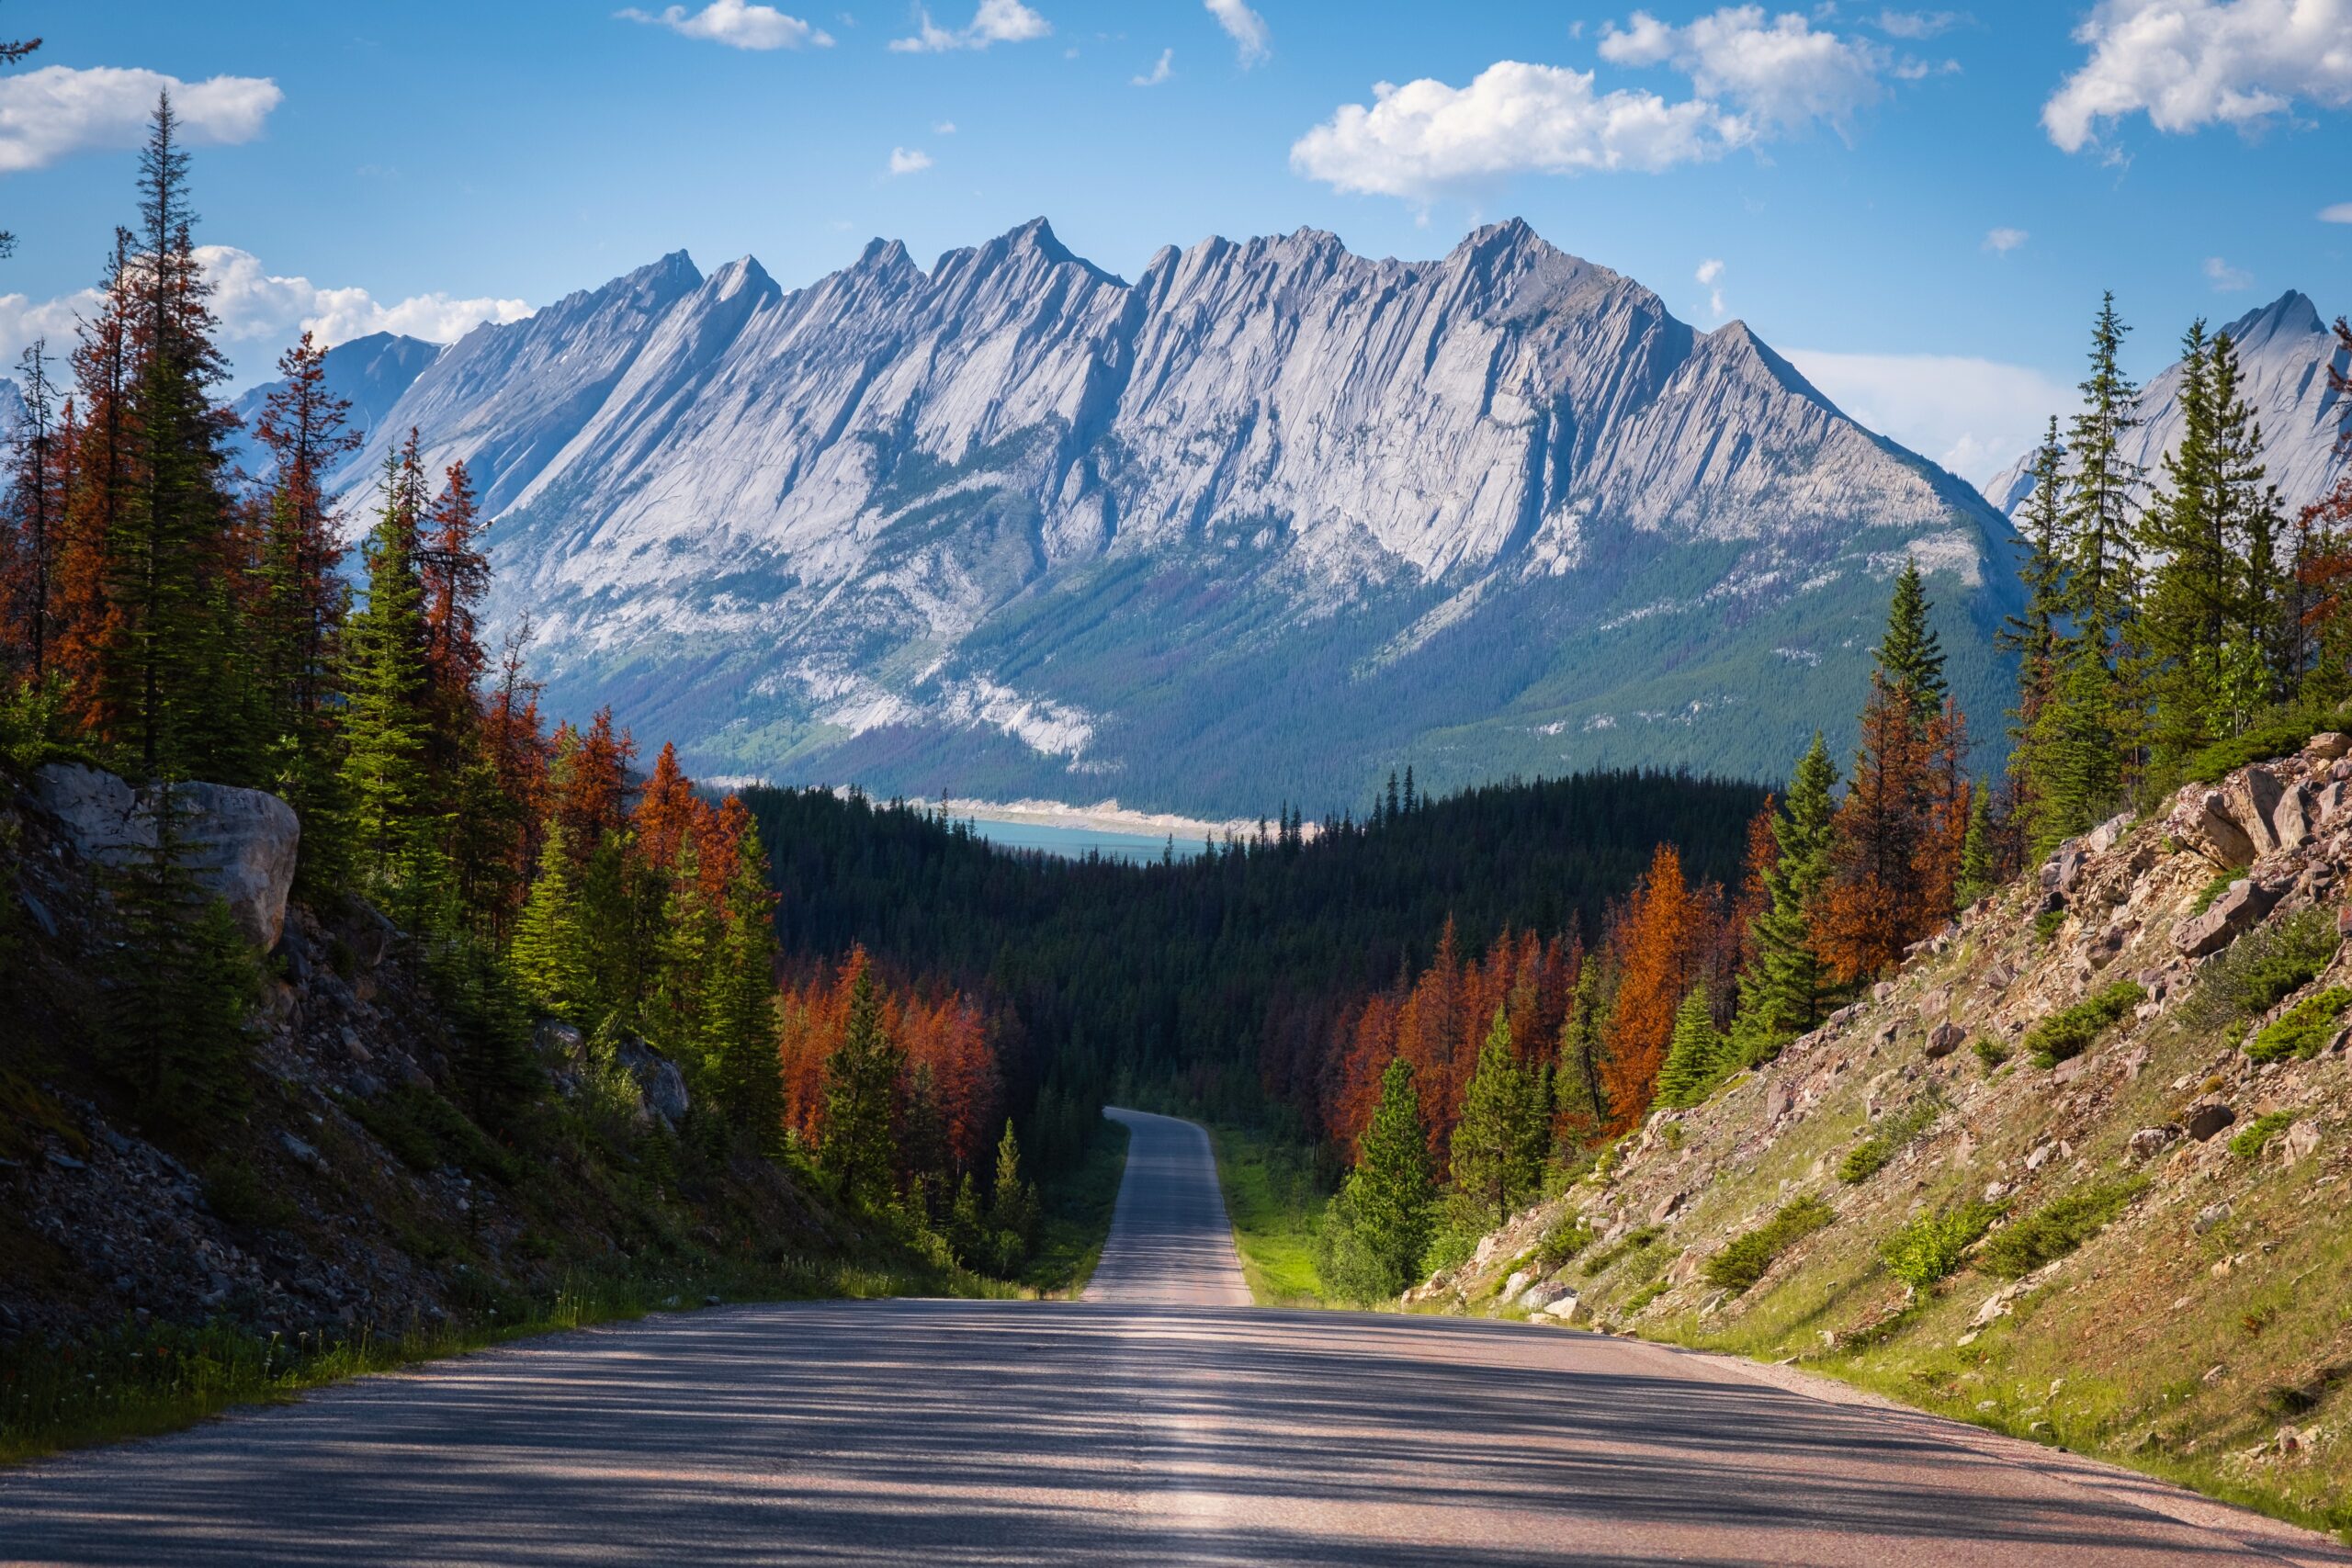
point(944, 127)
point(1244, 27)
point(1781, 72)
point(2339, 213)
point(1424, 137)
point(261, 313)
point(1711, 276)
point(1917, 24)
point(908, 160)
point(1160, 72)
point(735, 24)
point(2225, 278)
point(46, 114)
point(997, 21)
point(2188, 63)
point(1973, 416)
point(2001, 241)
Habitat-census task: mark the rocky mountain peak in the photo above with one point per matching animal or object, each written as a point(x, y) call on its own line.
point(2290, 316)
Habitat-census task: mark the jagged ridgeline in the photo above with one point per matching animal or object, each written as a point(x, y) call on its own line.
point(1216, 979)
point(1250, 527)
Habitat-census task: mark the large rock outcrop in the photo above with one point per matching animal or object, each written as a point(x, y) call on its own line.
point(239, 843)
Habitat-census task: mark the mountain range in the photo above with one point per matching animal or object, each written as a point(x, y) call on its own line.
point(1262, 523)
point(2284, 351)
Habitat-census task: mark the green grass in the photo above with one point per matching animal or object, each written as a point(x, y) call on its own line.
point(139, 1380)
point(1745, 1259)
point(1888, 1137)
point(1275, 1201)
point(1932, 1246)
point(2070, 1033)
point(1077, 1220)
point(2056, 1228)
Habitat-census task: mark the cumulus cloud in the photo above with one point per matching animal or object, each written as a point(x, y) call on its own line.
point(1779, 70)
point(2001, 241)
point(2189, 64)
point(908, 160)
point(2341, 212)
point(735, 24)
point(1973, 416)
point(1917, 24)
point(2225, 278)
point(944, 127)
point(1711, 277)
point(1160, 72)
point(48, 114)
point(1425, 136)
point(997, 21)
point(261, 312)
point(1244, 27)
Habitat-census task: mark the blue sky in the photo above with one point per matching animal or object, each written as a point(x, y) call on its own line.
point(1919, 204)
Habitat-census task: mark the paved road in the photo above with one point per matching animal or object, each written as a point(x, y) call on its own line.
point(1160, 1421)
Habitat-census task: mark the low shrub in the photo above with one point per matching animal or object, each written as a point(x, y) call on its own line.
point(1632, 1241)
point(1991, 1052)
point(1562, 1243)
point(1643, 1296)
point(235, 1192)
point(426, 1133)
point(2211, 890)
point(2071, 1033)
point(2046, 924)
point(2056, 1228)
point(2280, 733)
point(1888, 1138)
point(2264, 965)
point(1931, 1247)
point(2302, 1030)
point(1745, 1259)
point(2255, 1135)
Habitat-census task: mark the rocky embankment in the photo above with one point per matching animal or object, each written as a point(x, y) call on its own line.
point(358, 1192)
point(2077, 1171)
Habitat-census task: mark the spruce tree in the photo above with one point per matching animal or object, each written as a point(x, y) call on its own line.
point(1378, 1225)
point(1910, 654)
point(1496, 1152)
point(2191, 592)
point(738, 1009)
point(1976, 873)
point(1782, 992)
point(2265, 653)
point(1699, 1056)
point(548, 958)
point(386, 723)
point(1582, 1106)
point(861, 1083)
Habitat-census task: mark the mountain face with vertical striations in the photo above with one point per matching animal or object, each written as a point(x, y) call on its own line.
point(2284, 352)
point(1261, 525)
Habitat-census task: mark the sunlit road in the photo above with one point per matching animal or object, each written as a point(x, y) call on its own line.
point(1161, 1420)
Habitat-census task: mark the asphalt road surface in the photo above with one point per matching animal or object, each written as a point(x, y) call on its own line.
point(1161, 1420)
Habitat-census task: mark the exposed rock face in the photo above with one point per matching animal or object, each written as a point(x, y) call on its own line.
point(2230, 917)
point(240, 843)
point(899, 520)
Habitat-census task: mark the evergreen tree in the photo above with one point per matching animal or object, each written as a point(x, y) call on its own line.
point(1782, 991)
point(1378, 1225)
point(2035, 638)
point(1013, 1202)
point(1583, 1108)
point(861, 1081)
point(1498, 1149)
point(34, 533)
point(2265, 655)
point(2191, 592)
point(2102, 588)
point(1976, 877)
point(1700, 1056)
point(738, 1006)
point(185, 983)
point(1910, 654)
point(386, 723)
point(548, 956)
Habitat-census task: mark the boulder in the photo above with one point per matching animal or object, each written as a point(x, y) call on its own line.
point(1944, 1039)
point(2251, 794)
point(2108, 834)
point(659, 1079)
point(239, 844)
point(1567, 1310)
point(2232, 914)
point(2327, 745)
point(2202, 821)
point(2212, 1216)
point(2070, 861)
point(1517, 1282)
point(1542, 1296)
point(2149, 1142)
point(2300, 1144)
point(2295, 818)
point(2207, 1118)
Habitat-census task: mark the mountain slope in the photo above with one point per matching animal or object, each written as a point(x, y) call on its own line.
point(1266, 522)
point(372, 372)
point(2284, 351)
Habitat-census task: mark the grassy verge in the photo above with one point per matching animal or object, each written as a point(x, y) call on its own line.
point(1275, 1201)
point(142, 1381)
point(1077, 1220)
